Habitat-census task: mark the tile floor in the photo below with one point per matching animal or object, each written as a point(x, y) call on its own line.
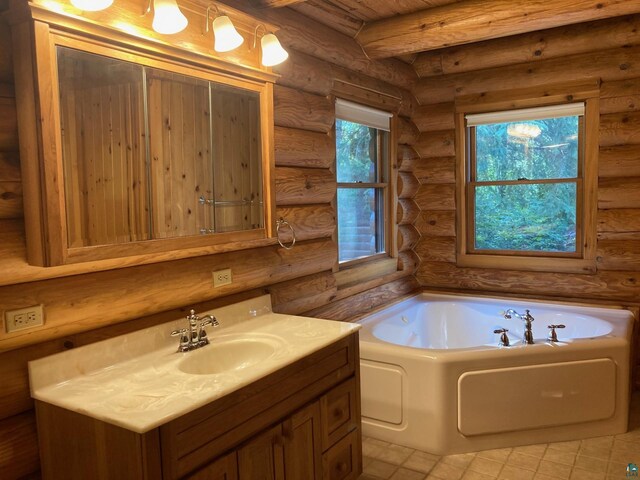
point(601, 458)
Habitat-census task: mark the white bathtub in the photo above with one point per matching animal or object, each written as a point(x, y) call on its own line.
point(435, 379)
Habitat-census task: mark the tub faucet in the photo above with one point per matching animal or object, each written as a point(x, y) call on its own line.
point(195, 336)
point(527, 318)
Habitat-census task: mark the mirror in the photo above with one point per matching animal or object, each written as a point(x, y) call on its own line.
point(152, 154)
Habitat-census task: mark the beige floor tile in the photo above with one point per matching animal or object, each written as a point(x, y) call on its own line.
point(602, 453)
point(615, 468)
point(571, 447)
point(406, 474)
point(472, 475)
point(580, 474)
point(524, 461)
point(447, 472)
point(461, 460)
point(597, 442)
point(631, 436)
point(366, 461)
point(395, 454)
point(380, 469)
point(372, 447)
point(542, 476)
point(509, 472)
point(553, 469)
point(499, 455)
point(590, 463)
point(421, 461)
point(486, 466)
point(559, 457)
point(533, 450)
point(364, 476)
point(625, 456)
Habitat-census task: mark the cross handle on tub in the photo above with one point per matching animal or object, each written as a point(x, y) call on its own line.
point(553, 337)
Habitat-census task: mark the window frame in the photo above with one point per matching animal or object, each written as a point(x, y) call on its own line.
point(383, 183)
point(584, 260)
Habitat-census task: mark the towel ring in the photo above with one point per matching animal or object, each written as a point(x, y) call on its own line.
point(282, 222)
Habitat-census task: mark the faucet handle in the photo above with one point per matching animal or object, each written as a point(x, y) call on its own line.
point(553, 336)
point(504, 338)
point(183, 333)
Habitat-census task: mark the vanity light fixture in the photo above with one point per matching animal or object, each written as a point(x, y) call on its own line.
point(91, 5)
point(225, 35)
point(167, 17)
point(272, 51)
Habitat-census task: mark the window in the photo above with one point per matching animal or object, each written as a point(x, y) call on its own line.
point(527, 198)
point(362, 151)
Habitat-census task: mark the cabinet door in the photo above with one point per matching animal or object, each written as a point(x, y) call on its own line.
point(263, 457)
point(225, 468)
point(302, 447)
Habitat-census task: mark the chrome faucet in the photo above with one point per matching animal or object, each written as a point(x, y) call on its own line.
point(195, 335)
point(527, 318)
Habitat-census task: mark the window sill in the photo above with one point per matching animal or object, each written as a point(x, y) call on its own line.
point(366, 270)
point(536, 264)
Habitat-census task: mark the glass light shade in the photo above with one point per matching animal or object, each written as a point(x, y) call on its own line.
point(167, 17)
point(272, 51)
point(225, 34)
point(91, 5)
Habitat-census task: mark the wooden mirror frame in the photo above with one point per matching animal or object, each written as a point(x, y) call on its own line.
point(36, 32)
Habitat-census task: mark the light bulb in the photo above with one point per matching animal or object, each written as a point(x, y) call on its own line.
point(272, 51)
point(167, 17)
point(91, 5)
point(225, 34)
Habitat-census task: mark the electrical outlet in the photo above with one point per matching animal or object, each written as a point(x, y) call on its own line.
point(23, 318)
point(222, 277)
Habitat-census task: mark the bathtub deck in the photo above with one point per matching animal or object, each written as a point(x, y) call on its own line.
point(602, 458)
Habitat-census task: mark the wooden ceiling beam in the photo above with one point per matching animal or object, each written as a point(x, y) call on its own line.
point(472, 21)
point(275, 3)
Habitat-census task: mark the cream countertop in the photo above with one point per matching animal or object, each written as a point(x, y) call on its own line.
point(134, 380)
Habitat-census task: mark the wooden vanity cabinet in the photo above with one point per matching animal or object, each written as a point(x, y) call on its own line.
point(301, 422)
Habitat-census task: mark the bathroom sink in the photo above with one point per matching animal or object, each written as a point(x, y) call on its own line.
point(229, 354)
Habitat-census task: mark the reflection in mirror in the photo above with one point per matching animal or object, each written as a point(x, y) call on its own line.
point(144, 158)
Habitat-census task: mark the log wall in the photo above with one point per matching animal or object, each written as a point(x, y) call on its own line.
point(89, 302)
point(568, 54)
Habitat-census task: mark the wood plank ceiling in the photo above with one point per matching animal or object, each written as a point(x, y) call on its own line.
point(405, 28)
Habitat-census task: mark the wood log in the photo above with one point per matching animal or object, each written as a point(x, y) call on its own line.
point(473, 21)
point(609, 65)
point(83, 302)
point(619, 221)
point(351, 275)
point(297, 186)
point(297, 32)
point(623, 286)
point(366, 301)
point(275, 3)
point(302, 148)
point(620, 255)
point(619, 161)
point(319, 289)
point(19, 455)
point(408, 261)
point(436, 223)
point(307, 111)
point(434, 117)
point(619, 88)
point(10, 167)
point(619, 129)
point(331, 15)
point(618, 192)
point(630, 103)
point(7, 90)
point(308, 221)
point(436, 144)
point(531, 47)
point(436, 197)
point(407, 132)
point(407, 211)
point(8, 125)
point(436, 249)
point(305, 72)
point(408, 237)
point(436, 170)
point(406, 158)
point(10, 200)
point(407, 185)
